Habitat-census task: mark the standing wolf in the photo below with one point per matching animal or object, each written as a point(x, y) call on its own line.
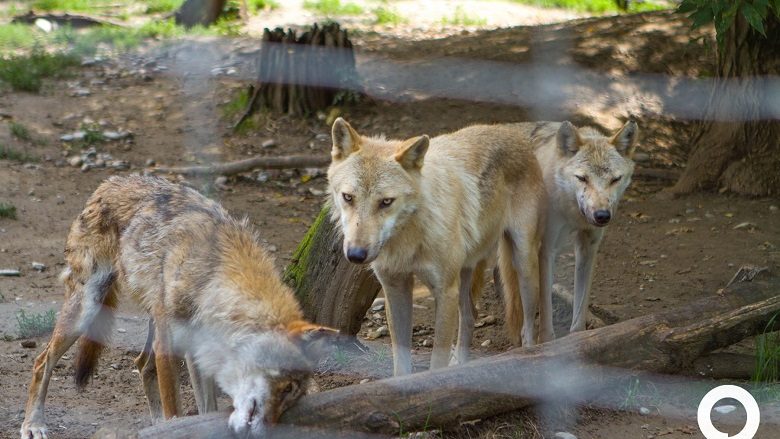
point(213, 293)
point(585, 175)
point(434, 209)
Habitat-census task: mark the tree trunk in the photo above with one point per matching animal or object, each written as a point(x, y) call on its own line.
point(575, 368)
point(199, 12)
point(737, 147)
point(302, 74)
point(332, 291)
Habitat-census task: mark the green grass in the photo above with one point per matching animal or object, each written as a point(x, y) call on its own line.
point(34, 324)
point(8, 153)
point(768, 355)
point(260, 5)
point(20, 131)
point(26, 72)
point(7, 210)
point(385, 15)
point(332, 7)
point(593, 6)
point(72, 5)
point(162, 6)
point(461, 18)
point(18, 36)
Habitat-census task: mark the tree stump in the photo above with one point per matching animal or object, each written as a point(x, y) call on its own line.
point(332, 291)
point(199, 12)
point(302, 74)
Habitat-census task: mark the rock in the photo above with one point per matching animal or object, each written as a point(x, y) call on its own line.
point(273, 249)
point(37, 266)
point(487, 321)
point(29, 344)
point(86, 167)
point(120, 165)
point(745, 225)
point(644, 411)
point(381, 331)
point(725, 409)
point(316, 192)
point(564, 435)
point(150, 162)
point(100, 163)
point(485, 343)
point(78, 135)
point(221, 183)
point(121, 330)
point(75, 161)
point(378, 301)
point(269, 143)
point(116, 135)
point(9, 272)
point(773, 208)
point(80, 92)
point(115, 366)
point(44, 25)
point(427, 342)
point(322, 137)
point(364, 380)
point(263, 177)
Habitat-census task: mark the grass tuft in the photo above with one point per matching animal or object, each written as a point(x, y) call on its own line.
point(34, 324)
point(332, 7)
point(388, 16)
point(461, 18)
point(8, 153)
point(26, 72)
point(595, 6)
point(7, 210)
point(162, 6)
point(768, 355)
point(20, 131)
point(261, 5)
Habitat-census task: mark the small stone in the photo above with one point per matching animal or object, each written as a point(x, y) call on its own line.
point(564, 435)
point(322, 137)
point(273, 249)
point(86, 167)
point(44, 25)
point(773, 208)
point(316, 192)
point(29, 344)
point(485, 343)
point(80, 92)
point(115, 366)
point(100, 163)
point(725, 409)
point(745, 225)
point(115, 135)
point(381, 331)
point(9, 272)
point(263, 177)
point(364, 380)
point(75, 161)
point(221, 183)
point(644, 411)
point(37, 266)
point(120, 165)
point(150, 162)
point(269, 143)
point(427, 342)
point(121, 330)
point(378, 304)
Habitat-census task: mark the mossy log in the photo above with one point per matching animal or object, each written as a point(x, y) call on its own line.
point(332, 290)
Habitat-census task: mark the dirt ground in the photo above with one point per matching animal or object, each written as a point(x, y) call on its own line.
point(660, 252)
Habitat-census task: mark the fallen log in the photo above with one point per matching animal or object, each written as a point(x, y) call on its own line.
point(575, 368)
point(246, 165)
point(75, 21)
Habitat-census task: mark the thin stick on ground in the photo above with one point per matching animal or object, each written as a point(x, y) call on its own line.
point(246, 165)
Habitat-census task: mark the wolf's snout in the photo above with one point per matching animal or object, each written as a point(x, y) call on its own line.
point(357, 255)
point(602, 217)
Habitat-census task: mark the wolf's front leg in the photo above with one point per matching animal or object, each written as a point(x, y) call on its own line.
point(586, 245)
point(398, 296)
point(466, 312)
point(446, 324)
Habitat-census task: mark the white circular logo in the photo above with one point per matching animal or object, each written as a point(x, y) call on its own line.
point(721, 392)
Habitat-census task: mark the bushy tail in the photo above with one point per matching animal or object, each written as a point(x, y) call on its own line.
point(97, 317)
point(510, 285)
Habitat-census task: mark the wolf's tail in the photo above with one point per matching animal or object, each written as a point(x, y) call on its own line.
point(510, 286)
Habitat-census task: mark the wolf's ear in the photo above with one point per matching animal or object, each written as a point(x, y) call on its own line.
point(345, 139)
point(412, 152)
point(625, 139)
point(315, 341)
point(568, 138)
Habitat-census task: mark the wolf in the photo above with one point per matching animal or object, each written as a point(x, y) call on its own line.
point(435, 209)
point(585, 176)
point(211, 290)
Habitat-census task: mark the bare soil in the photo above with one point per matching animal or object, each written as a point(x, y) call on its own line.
point(660, 252)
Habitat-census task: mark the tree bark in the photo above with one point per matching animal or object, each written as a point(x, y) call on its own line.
point(737, 148)
point(332, 291)
point(199, 12)
point(575, 368)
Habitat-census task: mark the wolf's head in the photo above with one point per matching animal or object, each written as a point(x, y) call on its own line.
point(266, 373)
point(597, 169)
point(374, 185)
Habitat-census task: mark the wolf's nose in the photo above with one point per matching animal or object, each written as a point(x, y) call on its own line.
point(602, 217)
point(357, 254)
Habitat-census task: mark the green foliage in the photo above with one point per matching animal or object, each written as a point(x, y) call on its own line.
point(20, 131)
point(34, 324)
point(768, 355)
point(332, 7)
point(594, 6)
point(66, 5)
point(26, 72)
point(722, 13)
point(160, 6)
point(461, 18)
point(17, 36)
point(259, 5)
point(8, 153)
point(7, 210)
point(386, 15)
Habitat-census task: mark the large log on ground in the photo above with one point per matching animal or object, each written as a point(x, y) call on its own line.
point(573, 368)
point(332, 291)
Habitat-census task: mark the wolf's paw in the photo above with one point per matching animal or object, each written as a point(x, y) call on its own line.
point(33, 430)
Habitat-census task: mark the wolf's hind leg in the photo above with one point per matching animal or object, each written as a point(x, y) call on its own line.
point(202, 387)
point(145, 362)
point(165, 362)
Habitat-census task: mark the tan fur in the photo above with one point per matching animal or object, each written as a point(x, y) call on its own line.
point(212, 292)
point(449, 200)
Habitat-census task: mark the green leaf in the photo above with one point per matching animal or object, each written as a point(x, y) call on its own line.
point(702, 17)
point(689, 6)
point(753, 17)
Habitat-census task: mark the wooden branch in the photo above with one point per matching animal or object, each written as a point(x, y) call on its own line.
point(575, 368)
point(246, 165)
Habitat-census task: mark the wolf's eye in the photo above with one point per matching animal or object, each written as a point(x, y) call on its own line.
point(582, 178)
point(616, 179)
point(386, 202)
point(347, 197)
point(288, 388)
